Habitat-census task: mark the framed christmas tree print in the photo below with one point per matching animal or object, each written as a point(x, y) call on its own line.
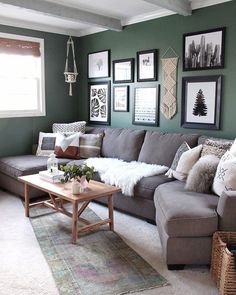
point(201, 102)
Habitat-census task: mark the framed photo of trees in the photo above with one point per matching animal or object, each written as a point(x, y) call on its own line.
point(201, 102)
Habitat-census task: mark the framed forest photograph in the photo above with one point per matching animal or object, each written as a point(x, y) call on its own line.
point(99, 102)
point(204, 50)
point(201, 102)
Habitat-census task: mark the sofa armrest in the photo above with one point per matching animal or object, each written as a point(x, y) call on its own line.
point(226, 210)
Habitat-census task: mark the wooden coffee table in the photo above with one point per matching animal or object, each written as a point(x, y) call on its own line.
point(61, 194)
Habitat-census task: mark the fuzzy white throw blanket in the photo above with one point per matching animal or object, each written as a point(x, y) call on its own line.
point(125, 175)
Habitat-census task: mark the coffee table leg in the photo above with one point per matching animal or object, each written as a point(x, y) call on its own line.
point(75, 222)
point(26, 200)
point(110, 208)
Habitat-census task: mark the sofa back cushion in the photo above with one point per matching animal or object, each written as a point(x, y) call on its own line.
point(122, 143)
point(160, 148)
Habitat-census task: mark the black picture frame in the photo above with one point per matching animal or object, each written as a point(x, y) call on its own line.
point(98, 64)
point(99, 103)
point(201, 102)
point(146, 106)
point(204, 50)
point(147, 65)
point(123, 70)
point(121, 98)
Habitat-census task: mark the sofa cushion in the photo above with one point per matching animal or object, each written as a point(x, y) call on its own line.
point(183, 213)
point(121, 143)
point(145, 188)
point(24, 165)
point(160, 148)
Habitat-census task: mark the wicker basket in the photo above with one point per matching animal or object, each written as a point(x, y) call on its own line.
point(223, 266)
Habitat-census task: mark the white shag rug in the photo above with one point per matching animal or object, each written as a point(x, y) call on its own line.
point(124, 175)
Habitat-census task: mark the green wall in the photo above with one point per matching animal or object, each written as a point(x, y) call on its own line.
point(18, 134)
point(162, 33)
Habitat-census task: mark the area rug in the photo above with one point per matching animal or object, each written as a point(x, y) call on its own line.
point(101, 263)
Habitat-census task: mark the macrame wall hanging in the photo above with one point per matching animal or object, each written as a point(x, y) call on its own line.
point(70, 75)
point(169, 77)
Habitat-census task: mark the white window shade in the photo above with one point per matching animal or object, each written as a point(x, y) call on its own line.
point(22, 89)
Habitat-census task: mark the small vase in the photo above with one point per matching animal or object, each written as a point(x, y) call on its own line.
point(77, 188)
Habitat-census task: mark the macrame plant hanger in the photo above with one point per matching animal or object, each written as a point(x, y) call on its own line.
point(70, 77)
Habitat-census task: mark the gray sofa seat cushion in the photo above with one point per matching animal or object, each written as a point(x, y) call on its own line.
point(160, 148)
point(183, 213)
point(24, 165)
point(122, 143)
point(145, 188)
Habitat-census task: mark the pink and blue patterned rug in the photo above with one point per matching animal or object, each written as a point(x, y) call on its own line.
point(101, 263)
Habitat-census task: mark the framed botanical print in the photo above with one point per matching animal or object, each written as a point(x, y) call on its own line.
point(147, 65)
point(201, 102)
point(146, 106)
point(99, 64)
point(121, 98)
point(123, 70)
point(99, 103)
point(204, 50)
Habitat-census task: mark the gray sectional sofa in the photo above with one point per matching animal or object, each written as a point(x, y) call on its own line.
point(185, 220)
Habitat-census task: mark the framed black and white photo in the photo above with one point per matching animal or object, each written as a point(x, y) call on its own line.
point(121, 98)
point(204, 50)
point(123, 70)
point(147, 65)
point(201, 102)
point(146, 106)
point(99, 103)
point(99, 64)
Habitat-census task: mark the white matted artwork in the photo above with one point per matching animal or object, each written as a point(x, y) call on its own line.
point(99, 102)
point(99, 64)
point(201, 102)
point(121, 98)
point(146, 106)
point(147, 65)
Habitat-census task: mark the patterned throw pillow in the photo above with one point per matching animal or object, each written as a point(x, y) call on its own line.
point(90, 145)
point(233, 148)
point(183, 148)
point(217, 148)
point(69, 127)
point(46, 144)
point(225, 178)
point(67, 146)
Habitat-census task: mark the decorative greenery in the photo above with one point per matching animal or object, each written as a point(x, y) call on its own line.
point(76, 172)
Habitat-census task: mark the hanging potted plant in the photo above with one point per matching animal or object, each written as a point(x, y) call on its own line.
point(80, 176)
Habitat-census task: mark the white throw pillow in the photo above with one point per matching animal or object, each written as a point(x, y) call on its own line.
point(69, 128)
point(233, 149)
point(225, 178)
point(186, 162)
point(46, 144)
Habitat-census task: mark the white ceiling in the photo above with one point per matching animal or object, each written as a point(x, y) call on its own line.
point(50, 17)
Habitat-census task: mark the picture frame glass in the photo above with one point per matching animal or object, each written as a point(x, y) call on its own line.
point(200, 102)
point(146, 66)
point(99, 102)
point(122, 71)
point(120, 99)
point(145, 106)
point(98, 64)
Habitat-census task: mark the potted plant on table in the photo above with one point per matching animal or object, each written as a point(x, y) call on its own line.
point(80, 176)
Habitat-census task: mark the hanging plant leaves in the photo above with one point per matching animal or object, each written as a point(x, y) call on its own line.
point(103, 111)
point(102, 94)
point(94, 92)
point(94, 107)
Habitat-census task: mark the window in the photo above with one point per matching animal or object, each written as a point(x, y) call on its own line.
point(22, 88)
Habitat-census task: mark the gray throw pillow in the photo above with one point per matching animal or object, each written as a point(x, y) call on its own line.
point(201, 176)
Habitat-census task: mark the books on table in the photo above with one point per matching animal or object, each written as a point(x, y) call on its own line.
point(55, 177)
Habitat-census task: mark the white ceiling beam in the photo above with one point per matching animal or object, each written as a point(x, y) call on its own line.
point(66, 13)
point(182, 7)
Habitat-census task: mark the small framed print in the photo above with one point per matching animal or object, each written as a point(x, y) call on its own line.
point(99, 64)
point(146, 105)
point(204, 50)
point(123, 70)
point(121, 98)
point(99, 103)
point(201, 102)
point(147, 65)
